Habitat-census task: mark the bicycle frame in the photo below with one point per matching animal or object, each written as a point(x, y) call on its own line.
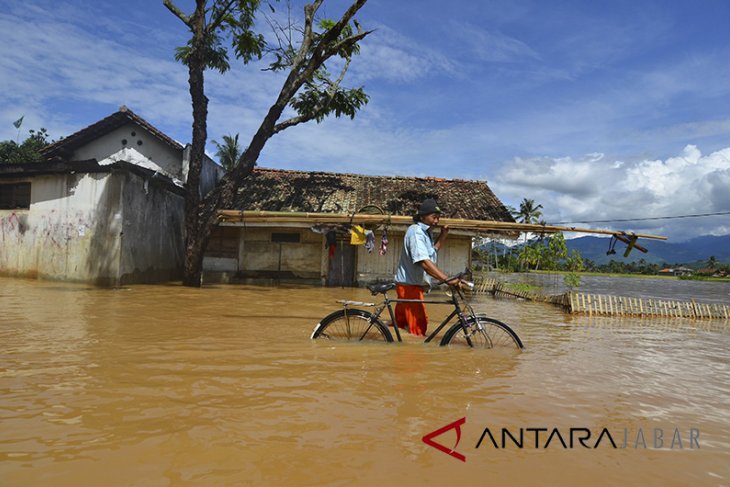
point(454, 301)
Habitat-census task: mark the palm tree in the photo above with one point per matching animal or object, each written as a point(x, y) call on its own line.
point(712, 262)
point(528, 212)
point(228, 152)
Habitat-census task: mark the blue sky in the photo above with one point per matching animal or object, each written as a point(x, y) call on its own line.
point(596, 110)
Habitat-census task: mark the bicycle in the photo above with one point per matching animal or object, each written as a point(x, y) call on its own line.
point(470, 329)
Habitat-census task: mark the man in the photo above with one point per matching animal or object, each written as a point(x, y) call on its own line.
point(418, 259)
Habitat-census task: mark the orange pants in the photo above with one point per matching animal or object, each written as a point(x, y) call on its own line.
point(411, 315)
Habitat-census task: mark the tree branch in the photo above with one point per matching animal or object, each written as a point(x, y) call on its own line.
point(177, 12)
point(331, 92)
point(347, 42)
point(307, 38)
point(221, 15)
point(331, 35)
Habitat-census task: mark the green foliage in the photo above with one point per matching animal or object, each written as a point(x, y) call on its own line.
point(529, 212)
point(226, 23)
point(320, 96)
point(27, 151)
point(574, 261)
point(623, 267)
point(556, 251)
point(571, 280)
point(522, 287)
point(228, 152)
point(317, 102)
point(532, 254)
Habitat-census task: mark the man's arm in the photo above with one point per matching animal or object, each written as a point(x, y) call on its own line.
point(441, 238)
point(430, 268)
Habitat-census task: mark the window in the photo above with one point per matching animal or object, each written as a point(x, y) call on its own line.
point(13, 196)
point(285, 237)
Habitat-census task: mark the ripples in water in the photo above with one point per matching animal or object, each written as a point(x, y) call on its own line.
point(164, 385)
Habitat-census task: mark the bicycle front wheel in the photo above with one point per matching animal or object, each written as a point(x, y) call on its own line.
point(351, 325)
point(482, 332)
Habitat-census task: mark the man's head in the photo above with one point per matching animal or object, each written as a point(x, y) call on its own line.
point(429, 212)
point(428, 206)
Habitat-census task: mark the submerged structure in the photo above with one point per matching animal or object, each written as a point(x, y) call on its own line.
point(107, 207)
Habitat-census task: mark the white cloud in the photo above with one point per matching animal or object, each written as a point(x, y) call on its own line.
point(491, 45)
point(590, 189)
point(388, 55)
point(60, 64)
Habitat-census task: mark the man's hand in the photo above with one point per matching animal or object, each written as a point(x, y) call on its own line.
point(442, 236)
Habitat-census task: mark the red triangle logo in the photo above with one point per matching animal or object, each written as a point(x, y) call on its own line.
point(428, 439)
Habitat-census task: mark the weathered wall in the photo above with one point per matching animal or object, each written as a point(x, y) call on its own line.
point(103, 228)
point(259, 256)
point(70, 232)
point(210, 172)
point(251, 249)
point(152, 244)
point(452, 258)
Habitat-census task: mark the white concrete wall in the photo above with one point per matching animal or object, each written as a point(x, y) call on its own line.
point(102, 228)
point(164, 156)
point(70, 232)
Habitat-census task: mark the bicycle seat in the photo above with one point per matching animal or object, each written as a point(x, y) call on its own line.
point(380, 288)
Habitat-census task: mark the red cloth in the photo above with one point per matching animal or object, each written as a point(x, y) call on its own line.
point(411, 315)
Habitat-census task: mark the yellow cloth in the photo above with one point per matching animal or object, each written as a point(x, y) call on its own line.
point(358, 235)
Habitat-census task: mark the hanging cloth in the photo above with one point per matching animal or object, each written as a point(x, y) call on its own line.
point(384, 242)
point(357, 235)
point(369, 241)
point(331, 242)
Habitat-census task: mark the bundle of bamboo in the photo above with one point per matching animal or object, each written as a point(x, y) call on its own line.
point(281, 217)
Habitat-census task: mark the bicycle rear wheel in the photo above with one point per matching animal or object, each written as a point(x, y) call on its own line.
point(351, 325)
point(482, 332)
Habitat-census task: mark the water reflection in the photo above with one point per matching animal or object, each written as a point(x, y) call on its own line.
point(164, 385)
point(645, 287)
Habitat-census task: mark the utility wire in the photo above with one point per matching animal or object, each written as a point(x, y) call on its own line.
point(646, 219)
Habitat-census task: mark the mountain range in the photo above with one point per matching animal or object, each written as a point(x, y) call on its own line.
point(698, 249)
point(695, 251)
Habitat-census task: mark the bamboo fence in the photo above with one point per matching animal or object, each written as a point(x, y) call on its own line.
point(599, 304)
point(607, 305)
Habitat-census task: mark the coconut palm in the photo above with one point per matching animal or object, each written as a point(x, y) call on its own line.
point(228, 152)
point(712, 262)
point(528, 212)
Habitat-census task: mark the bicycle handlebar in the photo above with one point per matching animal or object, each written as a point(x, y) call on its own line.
point(458, 276)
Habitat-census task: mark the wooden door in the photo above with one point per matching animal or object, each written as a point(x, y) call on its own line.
point(341, 272)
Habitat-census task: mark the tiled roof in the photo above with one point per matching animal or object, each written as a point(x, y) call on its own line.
point(280, 190)
point(64, 147)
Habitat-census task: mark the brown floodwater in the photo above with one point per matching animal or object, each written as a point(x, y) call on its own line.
point(164, 385)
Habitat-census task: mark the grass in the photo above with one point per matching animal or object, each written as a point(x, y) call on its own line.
point(522, 287)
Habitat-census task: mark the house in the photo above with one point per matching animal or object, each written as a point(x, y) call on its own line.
point(298, 251)
point(676, 271)
point(106, 207)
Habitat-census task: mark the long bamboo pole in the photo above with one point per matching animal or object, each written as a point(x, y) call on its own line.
point(232, 216)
